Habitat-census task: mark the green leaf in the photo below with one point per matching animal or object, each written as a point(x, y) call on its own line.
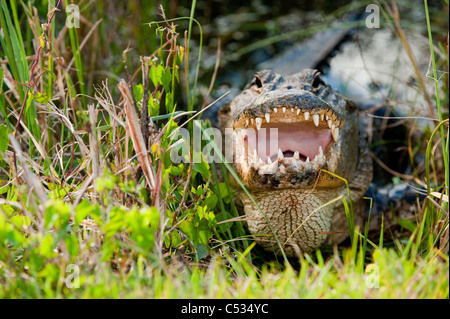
point(42, 98)
point(198, 234)
point(169, 102)
point(3, 140)
point(156, 74)
point(105, 183)
point(202, 168)
point(14, 237)
point(211, 201)
point(84, 209)
point(153, 104)
point(166, 79)
point(56, 214)
point(116, 222)
point(20, 221)
point(50, 273)
point(173, 239)
point(72, 245)
point(138, 91)
point(202, 251)
point(46, 248)
point(142, 224)
point(175, 170)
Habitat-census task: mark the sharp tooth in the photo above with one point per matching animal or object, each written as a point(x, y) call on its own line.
point(320, 151)
point(280, 154)
point(330, 123)
point(327, 117)
point(336, 134)
point(268, 169)
point(315, 159)
point(322, 116)
point(306, 116)
point(292, 109)
point(307, 159)
point(284, 110)
point(275, 109)
point(269, 161)
point(296, 155)
point(298, 111)
point(316, 119)
point(258, 123)
point(332, 128)
point(255, 156)
point(267, 115)
point(261, 162)
point(246, 122)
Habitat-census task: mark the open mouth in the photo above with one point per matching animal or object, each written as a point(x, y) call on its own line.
point(291, 136)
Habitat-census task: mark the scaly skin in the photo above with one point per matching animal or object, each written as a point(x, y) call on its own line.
point(299, 200)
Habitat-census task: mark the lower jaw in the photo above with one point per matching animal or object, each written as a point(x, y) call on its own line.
point(289, 165)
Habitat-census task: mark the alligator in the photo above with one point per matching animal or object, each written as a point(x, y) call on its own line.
point(322, 156)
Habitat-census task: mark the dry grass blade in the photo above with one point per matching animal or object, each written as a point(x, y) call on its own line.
point(83, 189)
point(441, 196)
point(93, 138)
point(31, 179)
point(135, 133)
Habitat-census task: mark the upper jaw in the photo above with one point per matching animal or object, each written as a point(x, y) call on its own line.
point(291, 106)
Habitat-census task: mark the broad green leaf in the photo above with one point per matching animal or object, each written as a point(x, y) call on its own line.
point(21, 221)
point(46, 248)
point(138, 91)
point(202, 168)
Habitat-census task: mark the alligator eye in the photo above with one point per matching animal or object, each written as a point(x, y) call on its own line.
point(316, 81)
point(256, 82)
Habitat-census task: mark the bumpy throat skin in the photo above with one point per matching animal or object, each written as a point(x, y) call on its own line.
point(316, 134)
point(300, 218)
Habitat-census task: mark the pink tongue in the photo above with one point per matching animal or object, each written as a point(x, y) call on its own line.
point(306, 142)
point(294, 138)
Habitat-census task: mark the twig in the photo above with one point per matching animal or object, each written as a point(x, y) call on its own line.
point(144, 107)
point(213, 78)
point(130, 85)
point(136, 136)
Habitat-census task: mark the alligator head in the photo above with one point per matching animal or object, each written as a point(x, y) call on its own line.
point(287, 131)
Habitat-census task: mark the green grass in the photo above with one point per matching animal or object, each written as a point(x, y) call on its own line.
point(88, 219)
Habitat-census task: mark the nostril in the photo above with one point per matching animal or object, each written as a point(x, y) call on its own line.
point(287, 87)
